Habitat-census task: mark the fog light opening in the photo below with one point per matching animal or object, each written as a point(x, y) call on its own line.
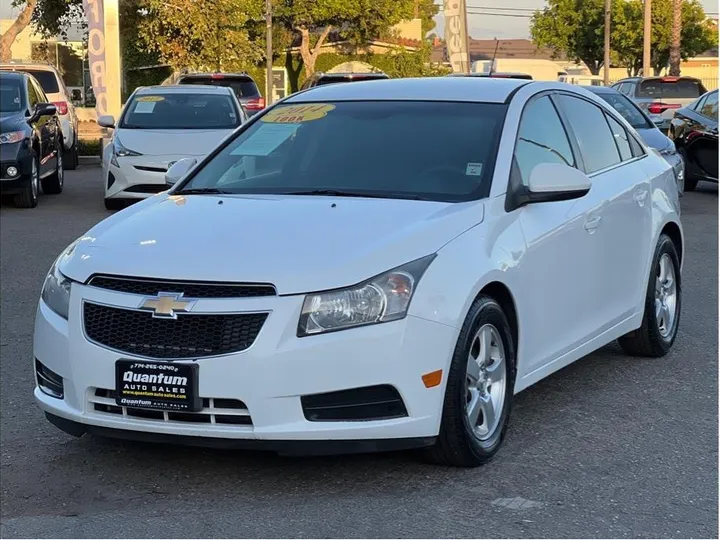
point(11, 171)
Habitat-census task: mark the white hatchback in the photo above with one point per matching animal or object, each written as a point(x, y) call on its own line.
point(378, 265)
point(160, 125)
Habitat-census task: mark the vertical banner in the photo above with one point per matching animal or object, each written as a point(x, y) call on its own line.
point(96, 53)
point(456, 35)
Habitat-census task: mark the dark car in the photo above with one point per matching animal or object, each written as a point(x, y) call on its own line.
point(242, 84)
point(660, 96)
point(319, 78)
point(496, 75)
point(695, 131)
point(30, 140)
point(645, 127)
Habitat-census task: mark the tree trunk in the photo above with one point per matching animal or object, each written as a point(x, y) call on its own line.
point(675, 38)
point(310, 56)
point(7, 39)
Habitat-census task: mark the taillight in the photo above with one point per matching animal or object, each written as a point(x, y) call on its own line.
point(61, 107)
point(217, 76)
point(657, 108)
point(255, 104)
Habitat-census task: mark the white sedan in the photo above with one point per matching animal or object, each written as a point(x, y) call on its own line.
point(370, 266)
point(160, 125)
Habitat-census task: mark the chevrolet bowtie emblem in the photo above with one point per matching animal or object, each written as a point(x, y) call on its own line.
point(167, 305)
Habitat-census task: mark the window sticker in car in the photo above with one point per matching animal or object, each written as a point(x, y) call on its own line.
point(144, 107)
point(266, 139)
point(292, 114)
point(474, 169)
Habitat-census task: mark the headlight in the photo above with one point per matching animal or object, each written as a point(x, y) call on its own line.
point(381, 299)
point(12, 137)
point(56, 289)
point(118, 150)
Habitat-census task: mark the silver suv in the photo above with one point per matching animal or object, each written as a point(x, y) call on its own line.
point(659, 97)
point(56, 91)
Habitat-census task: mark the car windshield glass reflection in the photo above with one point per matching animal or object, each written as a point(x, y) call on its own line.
point(181, 111)
point(414, 150)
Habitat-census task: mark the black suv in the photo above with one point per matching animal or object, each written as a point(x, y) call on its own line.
point(318, 78)
point(242, 84)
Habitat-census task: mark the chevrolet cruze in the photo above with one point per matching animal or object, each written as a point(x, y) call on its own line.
point(370, 266)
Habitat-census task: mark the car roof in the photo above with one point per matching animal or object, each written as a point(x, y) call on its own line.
point(214, 74)
point(474, 89)
point(20, 65)
point(353, 74)
point(599, 89)
point(13, 74)
point(183, 89)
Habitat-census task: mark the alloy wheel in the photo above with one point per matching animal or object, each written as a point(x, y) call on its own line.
point(665, 296)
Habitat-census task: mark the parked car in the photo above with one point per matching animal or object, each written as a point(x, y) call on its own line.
point(319, 78)
point(645, 127)
point(695, 131)
point(495, 75)
point(56, 91)
point(660, 96)
point(242, 84)
point(158, 126)
point(31, 151)
point(328, 280)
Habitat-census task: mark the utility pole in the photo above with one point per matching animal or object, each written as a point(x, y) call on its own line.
point(606, 59)
point(647, 38)
point(268, 53)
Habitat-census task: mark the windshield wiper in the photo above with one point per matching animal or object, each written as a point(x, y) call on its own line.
point(200, 191)
point(339, 193)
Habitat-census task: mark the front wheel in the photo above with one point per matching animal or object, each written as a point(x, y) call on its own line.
point(479, 389)
point(661, 317)
point(28, 197)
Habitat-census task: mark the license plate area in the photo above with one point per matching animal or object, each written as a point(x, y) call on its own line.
point(163, 386)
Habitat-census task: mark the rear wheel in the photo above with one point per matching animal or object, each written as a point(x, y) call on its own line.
point(479, 389)
point(53, 184)
point(660, 321)
point(690, 181)
point(28, 197)
point(71, 157)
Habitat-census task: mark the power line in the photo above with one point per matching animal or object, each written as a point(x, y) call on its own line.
point(485, 13)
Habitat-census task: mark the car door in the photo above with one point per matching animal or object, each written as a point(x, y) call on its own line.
point(620, 185)
point(560, 264)
point(33, 100)
point(48, 127)
point(707, 154)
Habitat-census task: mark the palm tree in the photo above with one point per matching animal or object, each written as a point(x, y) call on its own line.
point(675, 38)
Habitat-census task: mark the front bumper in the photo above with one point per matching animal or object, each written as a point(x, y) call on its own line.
point(18, 156)
point(270, 377)
point(137, 177)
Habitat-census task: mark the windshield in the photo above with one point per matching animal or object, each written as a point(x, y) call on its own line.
point(47, 80)
point(241, 87)
point(181, 111)
point(628, 110)
point(11, 96)
point(439, 151)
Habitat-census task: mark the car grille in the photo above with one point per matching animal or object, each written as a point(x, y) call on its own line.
point(189, 336)
point(214, 411)
point(146, 188)
point(190, 289)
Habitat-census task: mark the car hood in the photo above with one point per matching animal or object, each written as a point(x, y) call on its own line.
point(13, 122)
point(298, 243)
point(164, 142)
point(655, 138)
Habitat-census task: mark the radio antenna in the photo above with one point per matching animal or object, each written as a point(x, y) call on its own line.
point(492, 63)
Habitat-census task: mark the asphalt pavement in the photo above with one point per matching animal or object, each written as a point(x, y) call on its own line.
point(609, 447)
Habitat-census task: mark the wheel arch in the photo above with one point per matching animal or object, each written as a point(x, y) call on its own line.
point(673, 230)
point(502, 295)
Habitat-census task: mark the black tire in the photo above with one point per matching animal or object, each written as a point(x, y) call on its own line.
point(115, 204)
point(71, 157)
point(28, 197)
point(690, 183)
point(457, 445)
point(53, 184)
point(648, 340)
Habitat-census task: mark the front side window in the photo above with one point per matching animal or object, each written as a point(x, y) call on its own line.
point(181, 111)
point(596, 141)
point(541, 139)
point(438, 151)
point(709, 107)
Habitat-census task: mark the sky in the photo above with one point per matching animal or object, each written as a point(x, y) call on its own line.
point(487, 20)
point(509, 21)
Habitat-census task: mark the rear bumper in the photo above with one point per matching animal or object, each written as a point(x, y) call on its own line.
point(291, 447)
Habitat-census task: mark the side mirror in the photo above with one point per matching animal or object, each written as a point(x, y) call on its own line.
point(43, 109)
point(550, 182)
point(106, 120)
point(179, 169)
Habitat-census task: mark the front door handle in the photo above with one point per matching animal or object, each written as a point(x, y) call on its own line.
point(592, 223)
point(640, 196)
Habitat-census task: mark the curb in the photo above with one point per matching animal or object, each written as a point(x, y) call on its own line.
point(89, 160)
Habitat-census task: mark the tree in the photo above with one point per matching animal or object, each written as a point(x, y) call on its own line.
point(7, 39)
point(675, 38)
point(573, 27)
point(312, 21)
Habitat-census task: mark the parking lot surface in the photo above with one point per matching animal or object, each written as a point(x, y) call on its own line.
point(609, 447)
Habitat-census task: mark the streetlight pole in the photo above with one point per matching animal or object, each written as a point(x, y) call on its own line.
point(647, 38)
point(606, 59)
point(268, 53)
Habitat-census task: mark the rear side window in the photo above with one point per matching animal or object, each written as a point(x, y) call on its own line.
point(541, 139)
point(596, 141)
point(709, 107)
point(621, 139)
point(241, 87)
point(668, 89)
point(47, 80)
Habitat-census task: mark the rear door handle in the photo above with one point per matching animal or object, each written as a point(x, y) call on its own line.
point(592, 223)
